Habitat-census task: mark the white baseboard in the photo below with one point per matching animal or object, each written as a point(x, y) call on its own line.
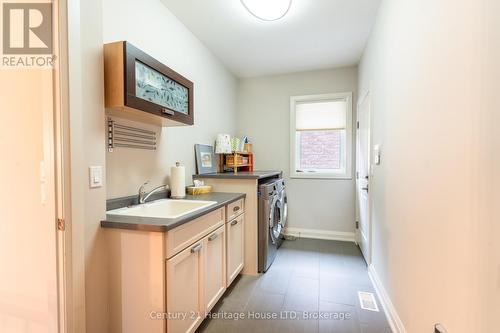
point(320, 234)
point(389, 309)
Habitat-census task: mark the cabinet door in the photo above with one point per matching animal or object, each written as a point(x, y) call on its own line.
point(140, 88)
point(235, 247)
point(185, 305)
point(156, 89)
point(215, 267)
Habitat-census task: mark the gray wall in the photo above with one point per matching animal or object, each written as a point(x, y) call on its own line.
point(489, 164)
point(421, 68)
point(150, 26)
point(144, 24)
point(89, 311)
point(263, 115)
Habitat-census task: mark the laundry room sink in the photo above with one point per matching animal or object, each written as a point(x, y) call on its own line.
point(163, 208)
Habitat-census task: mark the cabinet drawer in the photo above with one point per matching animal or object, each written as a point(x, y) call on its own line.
point(234, 209)
point(181, 237)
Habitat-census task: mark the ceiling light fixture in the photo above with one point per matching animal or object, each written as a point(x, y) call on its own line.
point(267, 10)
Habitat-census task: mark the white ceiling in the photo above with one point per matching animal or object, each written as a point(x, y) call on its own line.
point(315, 34)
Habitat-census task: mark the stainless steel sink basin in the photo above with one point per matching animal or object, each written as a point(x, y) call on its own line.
point(163, 208)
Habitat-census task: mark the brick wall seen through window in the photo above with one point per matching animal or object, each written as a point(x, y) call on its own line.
point(320, 149)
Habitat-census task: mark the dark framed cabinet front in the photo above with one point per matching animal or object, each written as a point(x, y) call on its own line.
point(139, 87)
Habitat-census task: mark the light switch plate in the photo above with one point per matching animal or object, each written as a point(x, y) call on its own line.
point(95, 176)
point(376, 154)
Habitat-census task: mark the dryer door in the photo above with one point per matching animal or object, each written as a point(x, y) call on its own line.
point(283, 207)
point(275, 226)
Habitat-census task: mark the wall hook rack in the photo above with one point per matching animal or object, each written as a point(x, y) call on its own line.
point(124, 136)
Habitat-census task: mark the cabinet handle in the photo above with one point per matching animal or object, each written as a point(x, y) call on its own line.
point(167, 111)
point(196, 248)
point(213, 237)
point(234, 222)
point(236, 208)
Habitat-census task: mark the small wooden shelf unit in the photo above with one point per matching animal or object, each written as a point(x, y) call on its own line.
point(234, 156)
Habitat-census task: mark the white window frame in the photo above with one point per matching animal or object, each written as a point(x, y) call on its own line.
point(294, 100)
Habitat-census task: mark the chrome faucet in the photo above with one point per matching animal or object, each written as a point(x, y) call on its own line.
point(143, 195)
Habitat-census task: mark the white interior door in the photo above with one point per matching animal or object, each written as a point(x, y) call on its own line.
point(28, 262)
point(363, 177)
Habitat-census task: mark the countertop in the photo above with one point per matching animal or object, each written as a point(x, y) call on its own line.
point(161, 224)
point(241, 175)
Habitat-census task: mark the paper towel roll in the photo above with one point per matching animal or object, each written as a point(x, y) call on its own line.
point(178, 181)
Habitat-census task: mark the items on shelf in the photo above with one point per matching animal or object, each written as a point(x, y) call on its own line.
point(233, 153)
point(236, 144)
point(247, 146)
point(206, 161)
point(223, 144)
point(240, 160)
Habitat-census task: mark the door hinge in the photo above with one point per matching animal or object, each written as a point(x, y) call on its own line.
point(357, 124)
point(357, 224)
point(357, 174)
point(61, 224)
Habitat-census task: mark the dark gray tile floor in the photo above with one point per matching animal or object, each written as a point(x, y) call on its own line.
point(308, 278)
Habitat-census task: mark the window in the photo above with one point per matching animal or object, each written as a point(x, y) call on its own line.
point(321, 136)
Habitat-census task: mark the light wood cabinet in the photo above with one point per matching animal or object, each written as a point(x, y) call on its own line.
point(235, 247)
point(181, 237)
point(234, 209)
point(215, 267)
point(185, 289)
point(168, 282)
point(250, 188)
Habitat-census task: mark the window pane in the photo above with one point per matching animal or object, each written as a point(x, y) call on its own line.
point(321, 115)
point(321, 150)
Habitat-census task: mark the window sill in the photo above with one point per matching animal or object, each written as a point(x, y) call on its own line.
point(320, 176)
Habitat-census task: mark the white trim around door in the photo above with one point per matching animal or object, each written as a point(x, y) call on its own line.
point(62, 166)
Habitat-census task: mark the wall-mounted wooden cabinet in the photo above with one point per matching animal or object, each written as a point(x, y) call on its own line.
point(139, 87)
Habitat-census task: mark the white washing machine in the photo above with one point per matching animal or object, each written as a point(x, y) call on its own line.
point(273, 214)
